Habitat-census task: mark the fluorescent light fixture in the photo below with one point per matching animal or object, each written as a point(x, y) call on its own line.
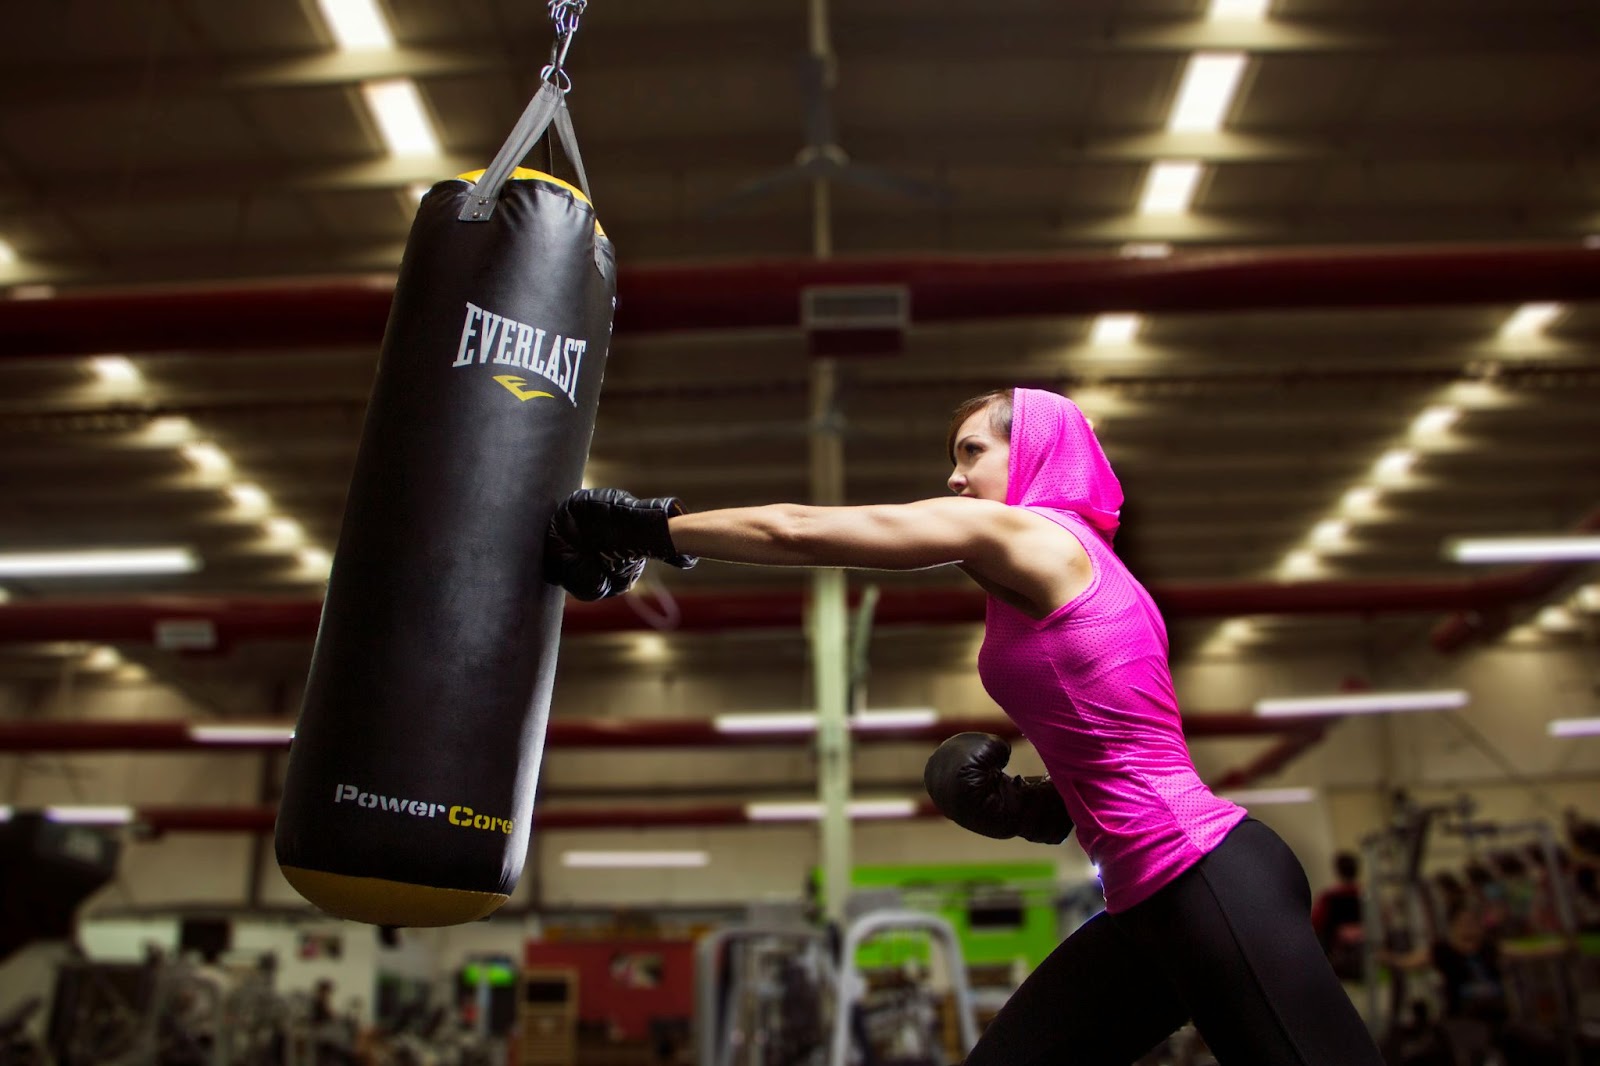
point(899, 718)
point(1361, 499)
point(1114, 329)
point(779, 722)
point(1302, 562)
point(1575, 727)
point(1330, 533)
point(102, 657)
point(1237, 629)
point(89, 815)
point(1561, 548)
point(168, 429)
point(1209, 82)
point(250, 498)
point(1239, 9)
point(1530, 320)
point(811, 811)
point(634, 860)
point(98, 561)
point(1169, 188)
point(8, 254)
point(207, 458)
point(397, 107)
point(1586, 599)
point(356, 24)
point(281, 530)
point(1434, 421)
point(241, 734)
point(1363, 703)
point(1394, 464)
point(116, 370)
point(316, 560)
point(1557, 618)
point(806, 721)
point(1145, 250)
point(1260, 797)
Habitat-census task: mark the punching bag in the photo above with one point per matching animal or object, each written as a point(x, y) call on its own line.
point(410, 786)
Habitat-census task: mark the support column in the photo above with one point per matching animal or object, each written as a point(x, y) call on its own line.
point(828, 626)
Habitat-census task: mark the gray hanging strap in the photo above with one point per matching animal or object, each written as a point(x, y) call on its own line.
point(536, 118)
point(569, 145)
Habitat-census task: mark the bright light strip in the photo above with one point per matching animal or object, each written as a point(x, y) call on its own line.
point(116, 370)
point(1169, 188)
point(168, 429)
point(356, 24)
point(1209, 82)
point(634, 860)
point(1114, 329)
point(1557, 618)
point(397, 107)
point(1239, 9)
point(900, 718)
point(1330, 533)
point(1586, 599)
point(318, 560)
point(1434, 420)
point(1360, 498)
point(284, 530)
point(1258, 797)
point(103, 657)
point(1572, 548)
point(5, 813)
point(1145, 250)
point(1363, 703)
point(99, 561)
point(811, 811)
point(784, 722)
point(207, 457)
point(249, 497)
point(1575, 727)
point(89, 815)
point(8, 254)
point(1530, 320)
point(1302, 562)
point(1393, 464)
point(806, 721)
point(241, 734)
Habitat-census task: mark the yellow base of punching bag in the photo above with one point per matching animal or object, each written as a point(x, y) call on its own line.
point(378, 902)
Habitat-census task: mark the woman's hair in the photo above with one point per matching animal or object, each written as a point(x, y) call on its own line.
point(998, 404)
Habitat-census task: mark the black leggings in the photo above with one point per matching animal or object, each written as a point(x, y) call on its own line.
point(1228, 943)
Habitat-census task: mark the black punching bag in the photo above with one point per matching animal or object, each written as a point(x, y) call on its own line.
point(410, 786)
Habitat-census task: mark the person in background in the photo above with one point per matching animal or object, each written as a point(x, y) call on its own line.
point(1336, 916)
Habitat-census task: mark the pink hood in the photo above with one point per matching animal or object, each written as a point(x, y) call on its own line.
point(1057, 462)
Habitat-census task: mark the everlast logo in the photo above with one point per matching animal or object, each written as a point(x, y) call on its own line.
point(488, 338)
point(464, 817)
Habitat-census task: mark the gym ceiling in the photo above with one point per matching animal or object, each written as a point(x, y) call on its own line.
point(1389, 183)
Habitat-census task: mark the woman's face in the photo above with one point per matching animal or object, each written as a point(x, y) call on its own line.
point(983, 460)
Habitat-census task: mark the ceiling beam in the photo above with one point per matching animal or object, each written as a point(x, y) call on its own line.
point(1047, 32)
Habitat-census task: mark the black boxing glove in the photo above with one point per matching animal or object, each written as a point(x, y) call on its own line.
point(965, 777)
point(599, 538)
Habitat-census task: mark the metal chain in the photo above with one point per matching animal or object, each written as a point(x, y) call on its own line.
point(564, 14)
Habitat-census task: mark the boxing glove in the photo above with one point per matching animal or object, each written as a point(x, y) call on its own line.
point(599, 538)
point(966, 779)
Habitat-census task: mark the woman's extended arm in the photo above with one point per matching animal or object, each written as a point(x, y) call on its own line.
point(907, 536)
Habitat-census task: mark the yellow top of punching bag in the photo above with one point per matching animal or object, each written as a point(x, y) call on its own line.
point(378, 901)
point(527, 174)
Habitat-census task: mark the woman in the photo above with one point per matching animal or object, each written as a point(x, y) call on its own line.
point(1207, 910)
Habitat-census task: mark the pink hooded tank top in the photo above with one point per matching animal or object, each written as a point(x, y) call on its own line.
point(1089, 686)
